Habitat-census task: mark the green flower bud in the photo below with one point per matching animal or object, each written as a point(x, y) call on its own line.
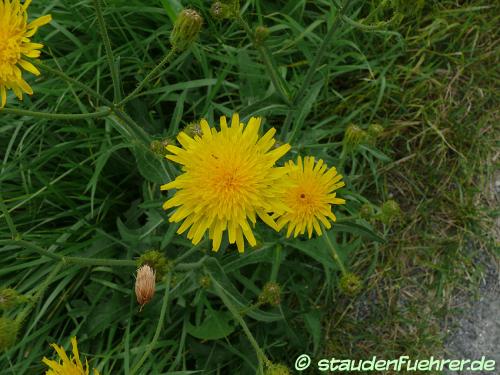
point(389, 211)
point(159, 146)
point(225, 9)
point(261, 34)
point(157, 261)
point(375, 130)
point(9, 329)
point(10, 298)
point(187, 26)
point(276, 369)
point(350, 284)
point(270, 294)
point(354, 136)
point(193, 129)
point(366, 211)
point(205, 281)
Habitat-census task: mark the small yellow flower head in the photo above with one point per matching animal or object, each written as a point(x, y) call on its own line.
point(9, 329)
point(15, 45)
point(271, 294)
point(309, 196)
point(350, 284)
point(193, 129)
point(354, 136)
point(66, 365)
point(389, 212)
point(276, 369)
point(157, 261)
point(187, 26)
point(10, 298)
point(145, 284)
point(228, 179)
point(261, 34)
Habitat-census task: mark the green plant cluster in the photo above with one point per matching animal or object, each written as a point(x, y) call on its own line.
point(80, 203)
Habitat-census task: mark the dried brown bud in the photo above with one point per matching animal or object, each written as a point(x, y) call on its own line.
point(145, 285)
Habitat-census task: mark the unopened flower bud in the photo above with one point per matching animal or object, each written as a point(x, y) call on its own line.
point(261, 34)
point(271, 294)
point(366, 211)
point(276, 369)
point(193, 129)
point(187, 26)
point(158, 146)
point(375, 130)
point(145, 285)
point(155, 260)
point(350, 284)
point(389, 212)
point(9, 329)
point(10, 298)
point(354, 136)
point(225, 9)
point(205, 281)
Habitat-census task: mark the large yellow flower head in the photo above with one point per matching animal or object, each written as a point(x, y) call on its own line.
point(229, 177)
point(65, 365)
point(309, 196)
point(15, 33)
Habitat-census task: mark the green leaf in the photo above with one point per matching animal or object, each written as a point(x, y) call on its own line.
point(172, 7)
point(217, 325)
point(347, 225)
point(150, 166)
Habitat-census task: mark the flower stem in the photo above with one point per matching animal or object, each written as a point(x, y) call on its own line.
point(109, 51)
point(57, 116)
point(159, 327)
point(236, 314)
point(335, 255)
point(148, 77)
point(278, 82)
point(25, 312)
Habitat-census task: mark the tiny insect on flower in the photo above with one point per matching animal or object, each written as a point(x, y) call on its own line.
point(145, 284)
point(15, 46)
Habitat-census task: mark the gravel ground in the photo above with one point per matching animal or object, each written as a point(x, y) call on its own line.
point(477, 331)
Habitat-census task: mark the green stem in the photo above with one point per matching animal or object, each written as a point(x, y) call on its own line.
point(109, 51)
point(335, 255)
point(312, 68)
point(70, 260)
point(148, 77)
point(276, 263)
point(236, 314)
point(24, 313)
point(57, 116)
point(278, 82)
point(72, 81)
point(159, 327)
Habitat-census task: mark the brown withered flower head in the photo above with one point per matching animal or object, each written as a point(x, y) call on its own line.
point(145, 284)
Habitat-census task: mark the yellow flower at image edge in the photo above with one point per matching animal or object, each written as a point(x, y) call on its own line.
point(67, 366)
point(309, 197)
point(229, 179)
point(15, 33)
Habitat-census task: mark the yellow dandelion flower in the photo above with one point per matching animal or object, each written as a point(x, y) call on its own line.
point(67, 366)
point(229, 178)
point(15, 44)
point(309, 196)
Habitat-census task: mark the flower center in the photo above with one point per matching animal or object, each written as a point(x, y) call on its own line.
point(10, 54)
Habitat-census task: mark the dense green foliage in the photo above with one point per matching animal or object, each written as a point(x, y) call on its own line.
point(428, 74)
